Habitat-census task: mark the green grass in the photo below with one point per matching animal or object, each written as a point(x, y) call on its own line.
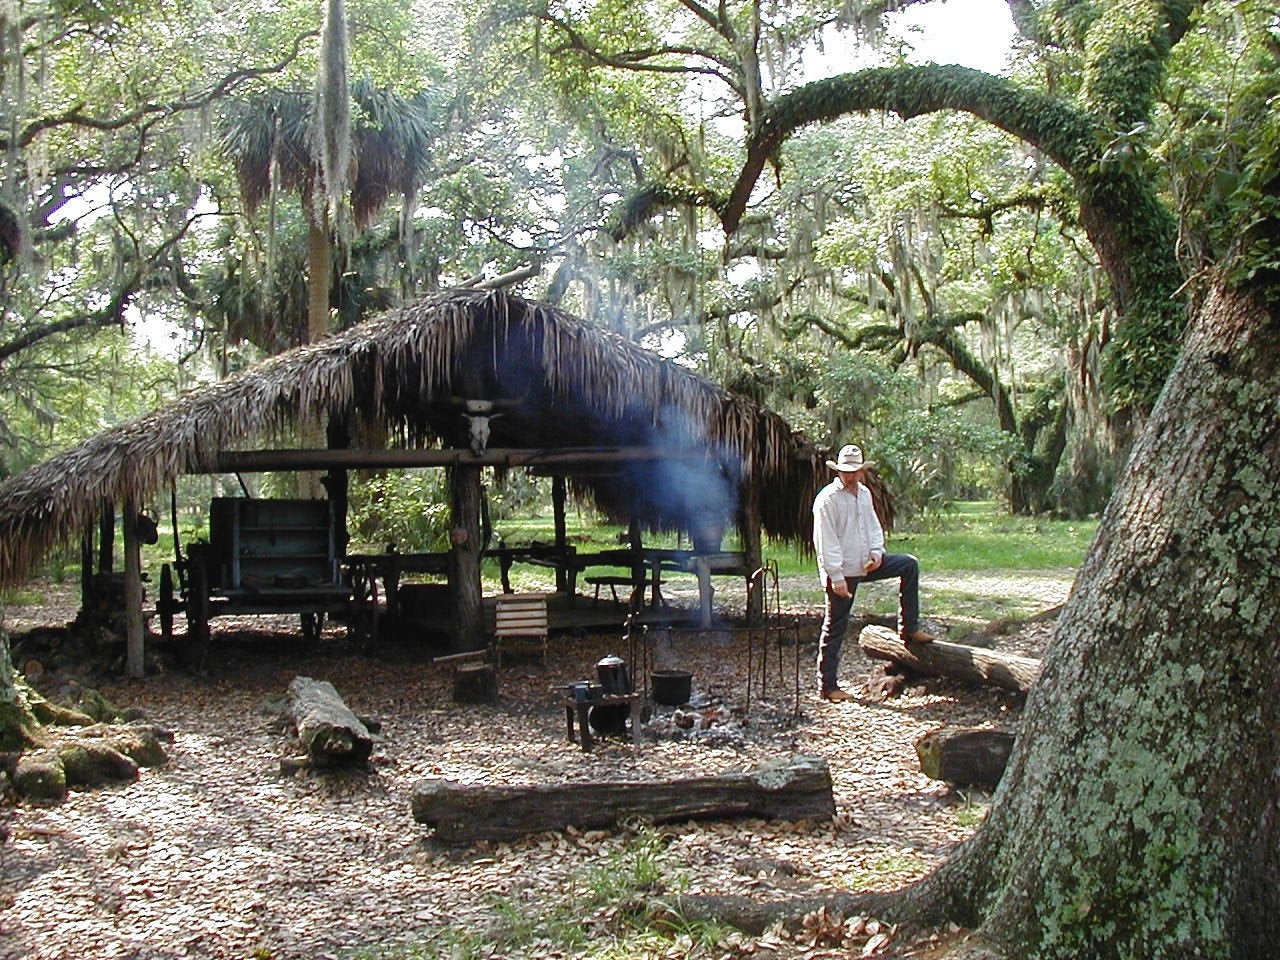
point(604, 914)
point(977, 563)
point(971, 814)
point(971, 536)
point(977, 536)
point(890, 865)
point(21, 597)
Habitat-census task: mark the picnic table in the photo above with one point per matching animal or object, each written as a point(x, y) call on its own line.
point(645, 567)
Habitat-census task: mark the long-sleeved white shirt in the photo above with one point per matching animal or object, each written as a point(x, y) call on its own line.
point(846, 530)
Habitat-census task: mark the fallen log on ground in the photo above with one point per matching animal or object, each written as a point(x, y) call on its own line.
point(330, 733)
point(794, 788)
point(954, 660)
point(971, 757)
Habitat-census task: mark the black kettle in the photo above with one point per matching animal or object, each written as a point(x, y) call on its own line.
point(612, 673)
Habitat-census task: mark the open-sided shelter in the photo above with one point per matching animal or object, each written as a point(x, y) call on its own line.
point(464, 380)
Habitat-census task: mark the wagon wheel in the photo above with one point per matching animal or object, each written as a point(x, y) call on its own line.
point(168, 605)
point(312, 624)
point(197, 605)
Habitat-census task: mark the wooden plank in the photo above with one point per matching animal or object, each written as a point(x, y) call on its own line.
point(257, 461)
point(135, 629)
point(466, 657)
point(521, 612)
point(521, 627)
point(521, 616)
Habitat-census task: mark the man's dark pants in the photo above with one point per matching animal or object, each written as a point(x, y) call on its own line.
point(836, 621)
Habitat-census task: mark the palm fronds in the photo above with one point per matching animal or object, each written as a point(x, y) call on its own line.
point(560, 381)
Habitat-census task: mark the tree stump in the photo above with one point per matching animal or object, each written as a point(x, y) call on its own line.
point(954, 660)
point(790, 789)
point(475, 683)
point(330, 733)
point(475, 679)
point(969, 757)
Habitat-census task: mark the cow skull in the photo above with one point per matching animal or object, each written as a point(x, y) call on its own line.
point(478, 431)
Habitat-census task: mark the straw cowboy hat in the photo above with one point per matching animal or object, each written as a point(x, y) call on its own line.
point(850, 460)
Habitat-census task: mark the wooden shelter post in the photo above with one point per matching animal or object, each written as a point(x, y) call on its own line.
point(558, 497)
point(106, 536)
point(134, 628)
point(466, 550)
point(337, 483)
point(86, 566)
point(749, 532)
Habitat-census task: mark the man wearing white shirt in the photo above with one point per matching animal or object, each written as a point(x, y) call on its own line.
point(849, 542)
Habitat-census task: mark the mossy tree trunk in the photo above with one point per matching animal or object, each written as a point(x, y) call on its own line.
point(16, 722)
point(1138, 815)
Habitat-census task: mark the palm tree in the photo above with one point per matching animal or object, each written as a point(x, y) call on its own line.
point(270, 136)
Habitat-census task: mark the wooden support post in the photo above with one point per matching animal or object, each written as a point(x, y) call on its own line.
point(337, 483)
point(705, 591)
point(749, 533)
point(86, 568)
point(465, 556)
point(134, 628)
point(106, 537)
point(562, 537)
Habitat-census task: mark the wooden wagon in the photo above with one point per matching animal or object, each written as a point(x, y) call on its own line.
point(265, 556)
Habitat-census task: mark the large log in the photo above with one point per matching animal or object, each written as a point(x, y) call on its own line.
point(970, 757)
point(329, 732)
point(952, 660)
point(794, 788)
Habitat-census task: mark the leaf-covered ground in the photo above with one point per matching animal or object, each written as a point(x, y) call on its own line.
point(221, 855)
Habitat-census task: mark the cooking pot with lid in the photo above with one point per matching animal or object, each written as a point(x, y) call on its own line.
point(612, 673)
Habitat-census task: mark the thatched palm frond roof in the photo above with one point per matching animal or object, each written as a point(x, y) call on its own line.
point(556, 380)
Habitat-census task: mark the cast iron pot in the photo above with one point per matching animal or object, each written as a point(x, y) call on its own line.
point(672, 687)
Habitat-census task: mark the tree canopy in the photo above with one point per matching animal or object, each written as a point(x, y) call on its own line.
point(901, 252)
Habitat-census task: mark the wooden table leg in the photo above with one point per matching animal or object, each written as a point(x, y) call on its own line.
point(584, 726)
point(705, 591)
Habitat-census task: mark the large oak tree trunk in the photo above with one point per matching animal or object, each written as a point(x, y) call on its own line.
point(1138, 815)
point(16, 720)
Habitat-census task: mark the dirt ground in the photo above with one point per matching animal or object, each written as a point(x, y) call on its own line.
point(219, 854)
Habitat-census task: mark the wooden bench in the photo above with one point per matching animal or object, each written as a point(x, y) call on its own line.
point(520, 623)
